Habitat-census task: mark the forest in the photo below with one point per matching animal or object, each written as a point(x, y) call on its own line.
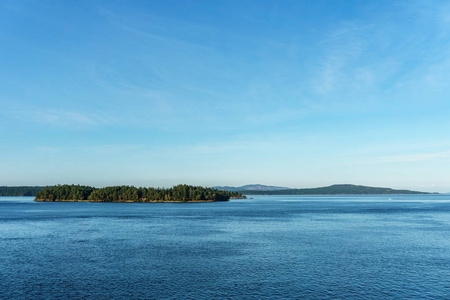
point(19, 190)
point(178, 193)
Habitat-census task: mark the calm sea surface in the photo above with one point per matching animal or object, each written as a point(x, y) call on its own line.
point(269, 247)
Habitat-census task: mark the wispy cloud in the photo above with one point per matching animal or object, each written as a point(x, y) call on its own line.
point(105, 149)
point(341, 48)
point(112, 149)
point(147, 25)
point(49, 150)
point(417, 157)
point(390, 52)
point(66, 117)
point(111, 80)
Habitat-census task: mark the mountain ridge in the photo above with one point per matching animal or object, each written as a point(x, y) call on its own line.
point(251, 187)
point(336, 189)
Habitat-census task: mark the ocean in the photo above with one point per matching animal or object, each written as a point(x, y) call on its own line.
point(268, 247)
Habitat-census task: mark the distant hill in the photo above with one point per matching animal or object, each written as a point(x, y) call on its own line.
point(251, 187)
point(337, 189)
point(19, 190)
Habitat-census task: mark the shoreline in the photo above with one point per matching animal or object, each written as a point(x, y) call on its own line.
point(129, 201)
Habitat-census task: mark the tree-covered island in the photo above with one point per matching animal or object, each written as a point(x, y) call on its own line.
point(179, 193)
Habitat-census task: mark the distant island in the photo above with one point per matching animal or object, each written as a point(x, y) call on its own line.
point(19, 190)
point(337, 189)
point(251, 187)
point(183, 193)
point(179, 193)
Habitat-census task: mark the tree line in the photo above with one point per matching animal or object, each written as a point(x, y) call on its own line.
point(178, 193)
point(19, 190)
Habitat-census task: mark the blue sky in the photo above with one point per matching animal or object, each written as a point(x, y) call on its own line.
point(290, 93)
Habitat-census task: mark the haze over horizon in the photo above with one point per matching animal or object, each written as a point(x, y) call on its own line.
point(286, 93)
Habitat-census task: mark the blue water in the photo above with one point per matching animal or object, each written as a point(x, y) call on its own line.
point(269, 247)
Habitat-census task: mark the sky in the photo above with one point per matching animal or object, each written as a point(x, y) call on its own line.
point(290, 93)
